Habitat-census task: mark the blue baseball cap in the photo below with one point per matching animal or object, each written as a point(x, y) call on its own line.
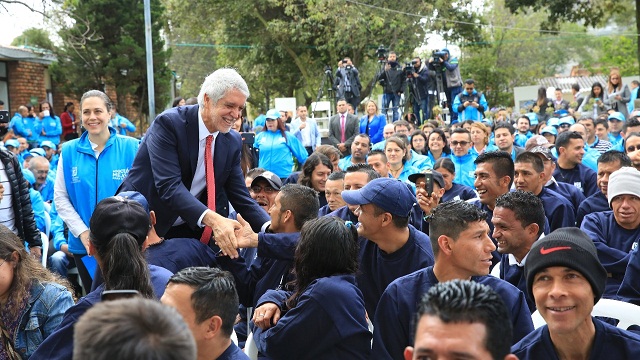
point(391, 195)
point(614, 116)
point(12, 142)
point(560, 113)
point(533, 118)
point(567, 120)
point(38, 152)
point(549, 130)
point(137, 197)
point(48, 144)
point(554, 121)
point(273, 114)
point(28, 175)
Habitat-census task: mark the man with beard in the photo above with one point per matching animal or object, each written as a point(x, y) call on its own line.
point(359, 151)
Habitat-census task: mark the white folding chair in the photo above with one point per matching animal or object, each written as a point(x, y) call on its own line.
point(250, 348)
point(47, 223)
point(626, 313)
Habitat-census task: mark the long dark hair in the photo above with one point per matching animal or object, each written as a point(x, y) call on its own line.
point(542, 96)
point(592, 95)
point(309, 165)
point(419, 133)
point(66, 106)
point(327, 247)
point(119, 245)
point(445, 149)
point(27, 270)
point(51, 113)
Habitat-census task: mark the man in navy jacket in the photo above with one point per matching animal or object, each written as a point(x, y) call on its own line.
point(460, 240)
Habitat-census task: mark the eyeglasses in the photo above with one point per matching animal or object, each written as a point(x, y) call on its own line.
point(633, 148)
point(461, 143)
point(267, 189)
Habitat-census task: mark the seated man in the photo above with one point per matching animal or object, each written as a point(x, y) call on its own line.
point(378, 160)
point(207, 300)
point(566, 279)
point(570, 146)
point(617, 232)
point(461, 319)
point(462, 247)
point(355, 178)
point(389, 246)
point(333, 193)
point(608, 162)
point(462, 158)
point(132, 329)
point(518, 221)
point(359, 150)
point(530, 176)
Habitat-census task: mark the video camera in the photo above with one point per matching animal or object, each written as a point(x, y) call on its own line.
point(409, 68)
point(381, 53)
point(436, 56)
point(327, 69)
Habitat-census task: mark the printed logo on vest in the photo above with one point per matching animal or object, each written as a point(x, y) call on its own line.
point(74, 175)
point(120, 174)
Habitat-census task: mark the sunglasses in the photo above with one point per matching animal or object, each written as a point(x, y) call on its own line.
point(461, 143)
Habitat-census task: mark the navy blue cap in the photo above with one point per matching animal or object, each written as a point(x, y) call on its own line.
point(391, 195)
point(137, 197)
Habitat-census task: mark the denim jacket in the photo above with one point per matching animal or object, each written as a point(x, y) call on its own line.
point(47, 304)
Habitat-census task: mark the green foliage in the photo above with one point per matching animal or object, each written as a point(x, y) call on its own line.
point(591, 13)
point(105, 46)
point(281, 46)
point(615, 51)
point(34, 38)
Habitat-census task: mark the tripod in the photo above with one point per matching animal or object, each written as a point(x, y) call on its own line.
point(329, 89)
point(373, 83)
point(413, 95)
point(439, 91)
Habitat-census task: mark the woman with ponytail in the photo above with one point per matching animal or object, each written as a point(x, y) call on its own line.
point(324, 317)
point(118, 231)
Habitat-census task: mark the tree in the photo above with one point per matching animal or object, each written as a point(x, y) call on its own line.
point(282, 46)
point(105, 46)
point(589, 13)
point(33, 37)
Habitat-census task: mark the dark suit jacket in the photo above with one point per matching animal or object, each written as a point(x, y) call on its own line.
point(351, 129)
point(164, 167)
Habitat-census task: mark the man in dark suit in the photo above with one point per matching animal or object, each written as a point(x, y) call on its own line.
point(351, 128)
point(169, 169)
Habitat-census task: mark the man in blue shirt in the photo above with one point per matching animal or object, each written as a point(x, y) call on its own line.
point(616, 233)
point(463, 250)
point(461, 319)
point(529, 176)
point(389, 246)
point(470, 104)
point(608, 162)
point(518, 221)
point(566, 280)
point(616, 122)
point(570, 169)
point(462, 158)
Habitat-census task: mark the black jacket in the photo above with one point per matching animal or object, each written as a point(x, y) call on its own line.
point(24, 220)
point(393, 79)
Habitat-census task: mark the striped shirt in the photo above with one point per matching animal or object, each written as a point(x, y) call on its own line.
point(601, 145)
point(7, 215)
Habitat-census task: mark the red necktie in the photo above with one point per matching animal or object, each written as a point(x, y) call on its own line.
point(342, 128)
point(211, 187)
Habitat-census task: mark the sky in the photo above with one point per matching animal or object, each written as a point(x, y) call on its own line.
point(16, 18)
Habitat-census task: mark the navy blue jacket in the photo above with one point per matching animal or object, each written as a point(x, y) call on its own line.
point(557, 209)
point(178, 253)
point(570, 192)
point(458, 192)
point(324, 210)
point(327, 323)
point(580, 176)
point(233, 352)
point(394, 320)
point(264, 273)
point(378, 269)
point(514, 275)
point(629, 290)
point(165, 164)
point(594, 203)
point(610, 343)
point(345, 214)
point(614, 245)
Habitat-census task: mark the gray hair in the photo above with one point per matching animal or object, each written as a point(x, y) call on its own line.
point(99, 94)
point(219, 82)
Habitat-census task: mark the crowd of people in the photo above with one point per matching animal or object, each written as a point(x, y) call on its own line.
point(387, 241)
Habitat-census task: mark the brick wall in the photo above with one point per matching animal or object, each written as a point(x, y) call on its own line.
point(26, 79)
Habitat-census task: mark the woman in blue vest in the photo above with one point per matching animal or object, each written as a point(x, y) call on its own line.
point(278, 147)
point(90, 169)
point(51, 125)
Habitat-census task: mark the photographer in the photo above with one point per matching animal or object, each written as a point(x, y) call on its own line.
point(418, 79)
point(391, 80)
point(451, 81)
point(347, 83)
point(469, 104)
